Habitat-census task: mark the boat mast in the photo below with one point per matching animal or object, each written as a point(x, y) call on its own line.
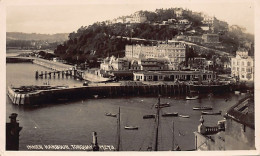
point(172, 135)
point(118, 130)
point(157, 124)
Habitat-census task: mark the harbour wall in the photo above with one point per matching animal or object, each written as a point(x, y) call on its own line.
point(67, 94)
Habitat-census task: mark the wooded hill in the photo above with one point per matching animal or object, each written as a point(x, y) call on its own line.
point(100, 40)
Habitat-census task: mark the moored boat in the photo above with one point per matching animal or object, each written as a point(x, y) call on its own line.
point(202, 108)
point(192, 98)
point(170, 114)
point(151, 116)
point(210, 113)
point(131, 127)
point(184, 116)
point(110, 114)
point(163, 105)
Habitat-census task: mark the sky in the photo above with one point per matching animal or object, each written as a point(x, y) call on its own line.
point(65, 17)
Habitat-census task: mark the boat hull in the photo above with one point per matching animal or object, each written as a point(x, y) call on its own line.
point(169, 114)
point(210, 113)
point(131, 128)
point(149, 116)
point(202, 108)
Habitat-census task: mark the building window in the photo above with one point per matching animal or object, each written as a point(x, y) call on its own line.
point(242, 63)
point(243, 69)
point(237, 69)
point(248, 64)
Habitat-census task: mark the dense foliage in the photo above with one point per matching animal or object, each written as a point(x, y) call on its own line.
point(100, 40)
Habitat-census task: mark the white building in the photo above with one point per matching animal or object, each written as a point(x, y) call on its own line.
point(138, 17)
point(175, 52)
point(243, 66)
point(113, 63)
point(178, 12)
point(184, 21)
point(172, 75)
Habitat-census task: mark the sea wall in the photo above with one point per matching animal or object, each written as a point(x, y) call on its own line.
point(60, 95)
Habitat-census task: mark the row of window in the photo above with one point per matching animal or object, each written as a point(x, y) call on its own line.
point(242, 63)
point(249, 70)
point(175, 76)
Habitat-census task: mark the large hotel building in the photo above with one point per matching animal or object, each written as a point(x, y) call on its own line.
point(175, 52)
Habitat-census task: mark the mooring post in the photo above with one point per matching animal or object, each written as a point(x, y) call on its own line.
point(95, 146)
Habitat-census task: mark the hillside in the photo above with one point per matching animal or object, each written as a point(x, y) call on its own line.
point(60, 37)
point(107, 38)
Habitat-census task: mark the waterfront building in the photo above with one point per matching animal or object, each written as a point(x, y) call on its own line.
point(174, 52)
point(172, 75)
point(242, 66)
point(197, 63)
point(210, 38)
point(113, 63)
point(235, 132)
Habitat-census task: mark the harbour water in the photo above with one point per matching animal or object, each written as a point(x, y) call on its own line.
point(72, 123)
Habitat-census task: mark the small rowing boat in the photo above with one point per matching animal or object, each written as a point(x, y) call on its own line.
point(163, 105)
point(110, 114)
point(192, 98)
point(131, 127)
point(202, 108)
point(211, 113)
point(170, 114)
point(149, 116)
point(184, 116)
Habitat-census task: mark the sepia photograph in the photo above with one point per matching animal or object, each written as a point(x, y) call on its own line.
point(129, 76)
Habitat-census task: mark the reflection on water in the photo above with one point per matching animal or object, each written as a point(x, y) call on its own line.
point(72, 123)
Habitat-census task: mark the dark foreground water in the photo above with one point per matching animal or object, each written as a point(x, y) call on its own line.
point(72, 123)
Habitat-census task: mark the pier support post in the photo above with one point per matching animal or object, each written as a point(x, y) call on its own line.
point(41, 74)
point(36, 74)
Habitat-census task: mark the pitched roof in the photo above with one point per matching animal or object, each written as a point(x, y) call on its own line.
point(243, 112)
